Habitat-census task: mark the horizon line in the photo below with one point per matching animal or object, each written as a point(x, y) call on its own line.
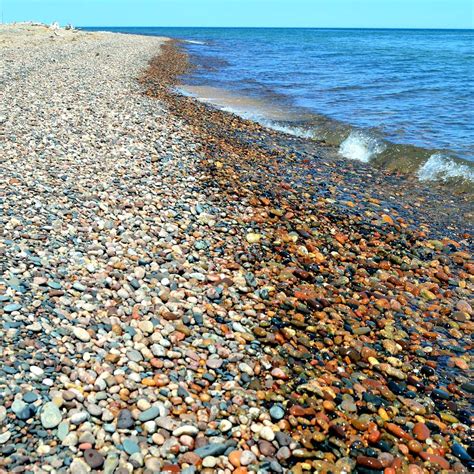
point(282, 27)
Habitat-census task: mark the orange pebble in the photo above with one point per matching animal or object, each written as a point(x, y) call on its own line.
point(397, 431)
point(234, 458)
point(241, 470)
point(375, 436)
point(148, 382)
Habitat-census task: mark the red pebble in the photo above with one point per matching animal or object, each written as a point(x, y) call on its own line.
point(435, 459)
point(421, 431)
point(371, 463)
point(397, 431)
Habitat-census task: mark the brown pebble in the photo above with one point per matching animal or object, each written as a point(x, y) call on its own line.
point(266, 448)
point(371, 463)
point(397, 431)
point(421, 431)
point(190, 458)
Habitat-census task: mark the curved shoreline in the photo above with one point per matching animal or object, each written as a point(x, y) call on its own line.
point(438, 167)
point(296, 239)
point(422, 204)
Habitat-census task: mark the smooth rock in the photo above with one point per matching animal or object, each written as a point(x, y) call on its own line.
point(93, 458)
point(81, 334)
point(50, 415)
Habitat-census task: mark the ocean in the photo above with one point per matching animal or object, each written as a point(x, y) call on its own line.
point(403, 99)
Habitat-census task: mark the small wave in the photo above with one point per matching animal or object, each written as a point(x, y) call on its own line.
point(194, 42)
point(359, 146)
point(442, 168)
point(295, 131)
point(259, 117)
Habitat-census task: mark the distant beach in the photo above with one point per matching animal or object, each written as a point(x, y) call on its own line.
point(185, 290)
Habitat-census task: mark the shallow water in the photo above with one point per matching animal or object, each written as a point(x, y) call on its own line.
point(401, 98)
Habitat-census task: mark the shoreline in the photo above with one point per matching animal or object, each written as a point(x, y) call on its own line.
point(421, 203)
point(237, 150)
point(182, 292)
point(346, 140)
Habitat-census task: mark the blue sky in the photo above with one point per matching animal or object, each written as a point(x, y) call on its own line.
point(291, 13)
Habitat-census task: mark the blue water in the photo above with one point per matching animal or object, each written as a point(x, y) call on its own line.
point(413, 87)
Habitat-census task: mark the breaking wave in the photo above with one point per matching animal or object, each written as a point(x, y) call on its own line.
point(360, 146)
point(352, 144)
point(442, 168)
point(290, 130)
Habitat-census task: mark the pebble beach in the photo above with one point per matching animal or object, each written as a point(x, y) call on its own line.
point(179, 293)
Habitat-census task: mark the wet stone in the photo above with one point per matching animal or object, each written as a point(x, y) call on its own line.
point(468, 387)
point(460, 452)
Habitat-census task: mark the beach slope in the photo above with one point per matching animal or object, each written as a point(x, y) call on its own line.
point(172, 300)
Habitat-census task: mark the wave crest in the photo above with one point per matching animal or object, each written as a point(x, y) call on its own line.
point(360, 146)
point(194, 42)
point(442, 168)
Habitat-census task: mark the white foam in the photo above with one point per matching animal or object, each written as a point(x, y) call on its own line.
point(442, 168)
point(295, 131)
point(259, 117)
point(360, 146)
point(194, 42)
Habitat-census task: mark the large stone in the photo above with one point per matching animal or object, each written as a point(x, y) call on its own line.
point(213, 449)
point(81, 334)
point(50, 415)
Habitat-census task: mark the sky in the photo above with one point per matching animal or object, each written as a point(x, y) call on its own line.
point(260, 13)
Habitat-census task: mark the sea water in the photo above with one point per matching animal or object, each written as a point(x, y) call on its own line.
point(399, 97)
